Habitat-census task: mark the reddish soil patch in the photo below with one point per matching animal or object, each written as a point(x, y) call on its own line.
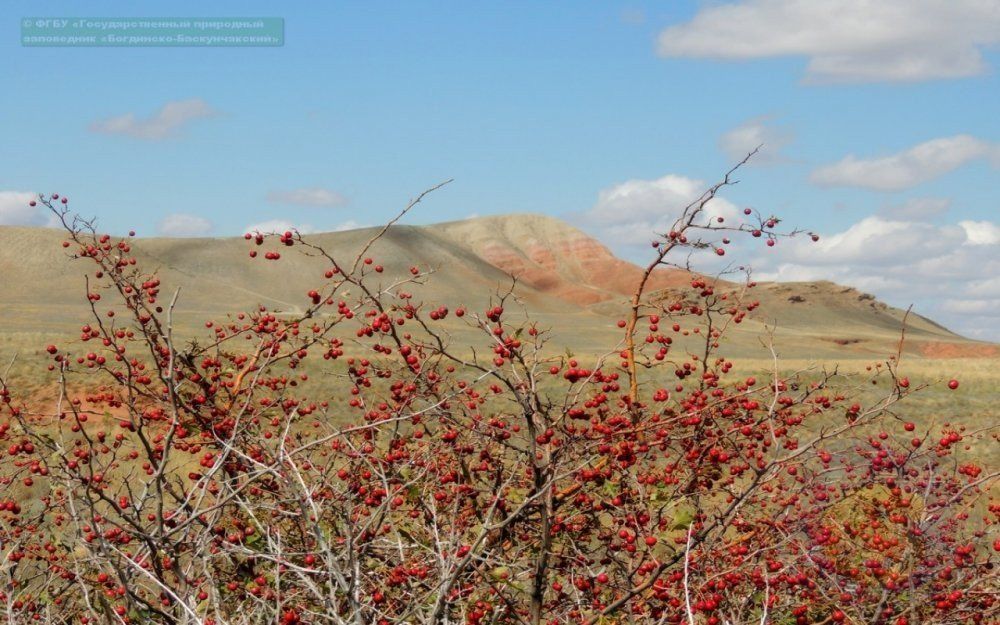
point(959, 350)
point(577, 269)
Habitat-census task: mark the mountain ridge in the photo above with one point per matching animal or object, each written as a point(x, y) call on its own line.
point(559, 273)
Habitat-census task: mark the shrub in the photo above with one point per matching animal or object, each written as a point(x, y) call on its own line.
point(190, 479)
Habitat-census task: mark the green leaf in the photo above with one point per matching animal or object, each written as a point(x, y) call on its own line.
point(682, 519)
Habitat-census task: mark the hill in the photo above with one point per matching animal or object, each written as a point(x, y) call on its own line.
point(565, 279)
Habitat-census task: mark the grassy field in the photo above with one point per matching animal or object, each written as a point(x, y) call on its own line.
point(974, 403)
point(813, 327)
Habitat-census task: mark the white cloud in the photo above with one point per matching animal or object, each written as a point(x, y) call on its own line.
point(917, 208)
point(629, 215)
point(876, 241)
point(740, 141)
point(652, 205)
point(184, 225)
point(981, 328)
point(846, 40)
point(981, 232)
point(350, 224)
point(313, 196)
point(283, 225)
point(940, 269)
point(988, 287)
point(643, 200)
point(15, 211)
point(971, 306)
point(168, 122)
point(908, 168)
point(279, 225)
point(899, 259)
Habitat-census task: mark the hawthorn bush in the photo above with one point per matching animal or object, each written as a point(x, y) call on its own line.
point(188, 480)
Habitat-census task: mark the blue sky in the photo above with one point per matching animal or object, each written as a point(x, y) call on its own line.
point(542, 107)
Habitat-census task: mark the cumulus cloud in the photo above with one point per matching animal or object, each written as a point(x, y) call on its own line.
point(284, 225)
point(311, 196)
point(908, 168)
point(279, 225)
point(939, 268)
point(917, 208)
point(988, 287)
point(166, 123)
point(184, 225)
point(759, 131)
point(981, 232)
point(644, 200)
point(875, 241)
point(635, 210)
point(897, 257)
point(15, 211)
point(845, 40)
point(971, 306)
point(350, 224)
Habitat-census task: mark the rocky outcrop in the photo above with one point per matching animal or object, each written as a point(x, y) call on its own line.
point(554, 257)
